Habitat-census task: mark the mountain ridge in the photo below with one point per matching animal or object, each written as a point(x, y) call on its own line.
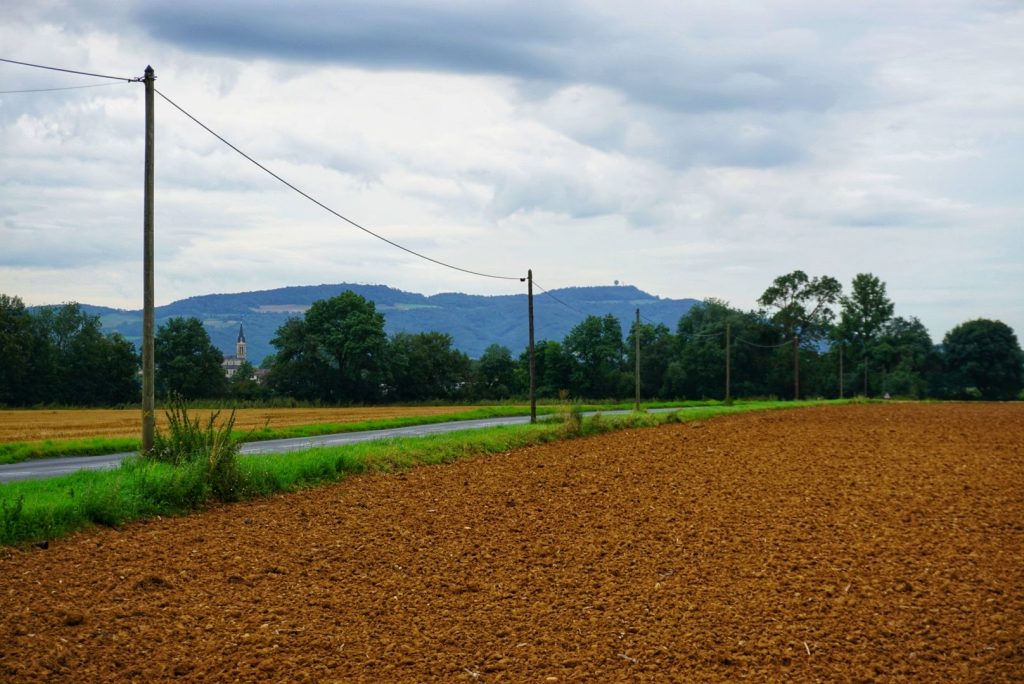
point(473, 321)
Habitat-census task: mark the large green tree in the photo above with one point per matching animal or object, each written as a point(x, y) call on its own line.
point(495, 374)
point(76, 364)
point(335, 353)
point(907, 358)
point(983, 355)
point(656, 352)
point(101, 370)
point(425, 366)
point(16, 352)
point(187, 363)
point(801, 307)
point(697, 369)
point(698, 366)
point(553, 367)
point(596, 346)
point(865, 313)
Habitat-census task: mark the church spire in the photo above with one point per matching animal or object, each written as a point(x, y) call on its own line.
point(240, 344)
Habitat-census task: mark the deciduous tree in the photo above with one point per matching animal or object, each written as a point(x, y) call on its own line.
point(554, 368)
point(16, 351)
point(802, 308)
point(656, 352)
point(596, 346)
point(865, 313)
point(907, 356)
point(495, 376)
point(984, 355)
point(187, 363)
point(336, 353)
point(425, 366)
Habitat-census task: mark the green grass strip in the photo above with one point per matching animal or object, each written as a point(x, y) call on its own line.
point(16, 452)
point(37, 510)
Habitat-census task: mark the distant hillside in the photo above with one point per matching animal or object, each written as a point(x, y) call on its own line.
point(473, 321)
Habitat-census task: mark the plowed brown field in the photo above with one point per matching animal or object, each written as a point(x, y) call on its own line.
point(855, 543)
point(37, 425)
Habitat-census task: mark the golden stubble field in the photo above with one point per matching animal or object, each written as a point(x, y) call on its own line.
point(37, 425)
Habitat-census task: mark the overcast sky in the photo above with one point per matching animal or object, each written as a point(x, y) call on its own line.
point(691, 149)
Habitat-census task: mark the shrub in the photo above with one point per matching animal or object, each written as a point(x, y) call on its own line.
point(572, 419)
point(188, 442)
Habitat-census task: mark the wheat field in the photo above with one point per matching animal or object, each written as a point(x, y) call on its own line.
point(42, 424)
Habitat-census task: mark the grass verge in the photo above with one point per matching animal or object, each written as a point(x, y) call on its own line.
point(38, 510)
point(16, 452)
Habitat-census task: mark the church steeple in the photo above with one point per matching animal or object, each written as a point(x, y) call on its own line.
point(240, 344)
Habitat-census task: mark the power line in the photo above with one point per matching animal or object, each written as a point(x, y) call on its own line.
point(72, 71)
point(702, 336)
point(645, 318)
point(764, 346)
point(568, 306)
point(327, 208)
point(50, 90)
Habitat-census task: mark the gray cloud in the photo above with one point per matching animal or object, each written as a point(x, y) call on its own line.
point(659, 62)
point(498, 38)
point(692, 148)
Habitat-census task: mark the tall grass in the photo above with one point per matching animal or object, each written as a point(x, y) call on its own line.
point(186, 478)
point(188, 443)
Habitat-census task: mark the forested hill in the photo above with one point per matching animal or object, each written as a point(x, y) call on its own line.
point(473, 321)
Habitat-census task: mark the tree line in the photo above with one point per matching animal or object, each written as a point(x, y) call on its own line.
point(807, 339)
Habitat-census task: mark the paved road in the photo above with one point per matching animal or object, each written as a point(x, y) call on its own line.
point(51, 467)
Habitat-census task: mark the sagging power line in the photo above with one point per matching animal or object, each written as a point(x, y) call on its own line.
point(327, 208)
point(763, 346)
point(53, 90)
point(136, 79)
point(568, 306)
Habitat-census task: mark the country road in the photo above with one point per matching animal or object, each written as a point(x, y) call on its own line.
point(52, 467)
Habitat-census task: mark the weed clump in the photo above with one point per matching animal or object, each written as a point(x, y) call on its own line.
point(189, 443)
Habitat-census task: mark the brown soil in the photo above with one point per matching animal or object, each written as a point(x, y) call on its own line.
point(40, 424)
point(858, 543)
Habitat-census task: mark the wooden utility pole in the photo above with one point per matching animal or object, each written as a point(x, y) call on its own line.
point(796, 368)
point(148, 365)
point(840, 371)
point(533, 365)
point(728, 363)
point(865, 371)
point(636, 336)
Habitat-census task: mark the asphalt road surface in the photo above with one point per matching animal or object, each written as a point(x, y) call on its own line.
point(51, 467)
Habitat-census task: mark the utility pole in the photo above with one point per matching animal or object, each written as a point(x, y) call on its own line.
point(148, 365)
point(865, 371)
point(533, 366)
point(796, 368)
point(636, 339)
point(728, 364)
point(840, 371)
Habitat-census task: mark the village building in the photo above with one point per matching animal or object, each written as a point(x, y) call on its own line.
point(231, 364)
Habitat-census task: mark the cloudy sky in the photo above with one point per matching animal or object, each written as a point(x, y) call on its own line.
point(691, 149)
